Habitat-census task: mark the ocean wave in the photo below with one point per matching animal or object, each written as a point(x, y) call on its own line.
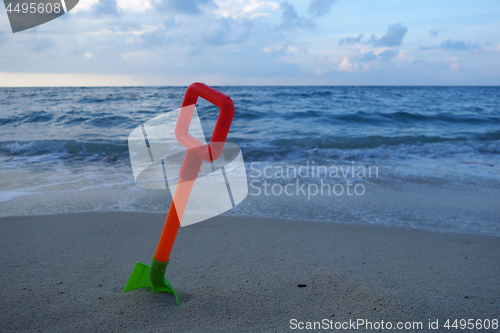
point(65, 149)
point(32, 117)
point(269, 122)
point(368, 148)
point(393, 118)
point(301, 94)
point(343, 142)
point(72, 118)
point(406, 151)
point(402, 147)
point(108, 121)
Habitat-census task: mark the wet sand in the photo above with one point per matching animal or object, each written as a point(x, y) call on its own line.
point(66, 273)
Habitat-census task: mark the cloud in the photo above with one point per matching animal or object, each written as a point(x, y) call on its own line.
point(133, 5)
point(152, 43)
point(368, 56)
point(393, 37)
point(223, 31)
point(184, 6)
point(105, 7)
point(320, 7)
point(247, 9)
point(388, 55)
point(351, 40)
point(457, 45)
point(156, 38)
point(492, 49)
point(170, 22)
point(347, 66)
point(197, 39)
point(220, 35)
point(161, 36)
point(384, 56)
point(40, 44)
point(290, 19)
point(434, 32)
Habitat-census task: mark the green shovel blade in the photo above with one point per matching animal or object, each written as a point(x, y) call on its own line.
point(152, 276)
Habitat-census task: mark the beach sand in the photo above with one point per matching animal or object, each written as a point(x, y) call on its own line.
point(66, 273)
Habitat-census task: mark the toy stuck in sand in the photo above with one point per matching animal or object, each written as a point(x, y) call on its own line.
point(170, 151)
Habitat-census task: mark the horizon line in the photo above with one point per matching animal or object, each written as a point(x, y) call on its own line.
point(263, 85)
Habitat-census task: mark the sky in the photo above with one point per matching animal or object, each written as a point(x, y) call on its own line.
point(257, 42)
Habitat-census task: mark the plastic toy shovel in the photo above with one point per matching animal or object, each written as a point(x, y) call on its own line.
point(153, 276)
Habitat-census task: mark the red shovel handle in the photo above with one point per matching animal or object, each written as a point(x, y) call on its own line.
point(222, 125)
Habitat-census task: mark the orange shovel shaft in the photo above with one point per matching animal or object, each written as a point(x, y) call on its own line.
point(172, 222)
point(192, 160)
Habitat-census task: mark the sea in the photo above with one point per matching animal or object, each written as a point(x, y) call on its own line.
point(416, 157)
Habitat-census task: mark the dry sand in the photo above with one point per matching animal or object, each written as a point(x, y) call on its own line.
point(66, 273)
